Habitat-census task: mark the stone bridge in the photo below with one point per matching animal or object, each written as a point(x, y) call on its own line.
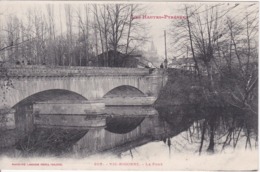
point(80, 83)
point(30, 91)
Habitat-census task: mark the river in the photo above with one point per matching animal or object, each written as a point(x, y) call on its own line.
point(189, 129)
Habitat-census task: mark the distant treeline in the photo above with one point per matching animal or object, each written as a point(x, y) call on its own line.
point(71, 35)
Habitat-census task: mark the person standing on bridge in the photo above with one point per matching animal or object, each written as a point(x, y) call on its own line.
point(161, 66)
point(165, 63)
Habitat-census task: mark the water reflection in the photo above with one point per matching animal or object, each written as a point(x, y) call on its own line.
point(49, 141)
point(122, 125)
point(193, 128)
point(212, 129)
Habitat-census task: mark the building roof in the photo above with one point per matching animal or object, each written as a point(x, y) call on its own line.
point(118, 59)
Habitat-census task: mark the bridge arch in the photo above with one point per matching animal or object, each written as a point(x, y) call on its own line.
point(24, 112)
point(123, 125)
point(50, 95)
point(125, 91)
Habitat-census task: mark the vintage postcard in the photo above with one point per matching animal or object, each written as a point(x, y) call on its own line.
point(116, 85)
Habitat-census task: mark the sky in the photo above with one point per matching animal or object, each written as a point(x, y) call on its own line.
point(156, 26)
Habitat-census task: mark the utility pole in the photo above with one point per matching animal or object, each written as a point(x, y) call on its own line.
point(166, 60)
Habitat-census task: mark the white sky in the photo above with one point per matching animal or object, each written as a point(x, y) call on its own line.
point(157, 26)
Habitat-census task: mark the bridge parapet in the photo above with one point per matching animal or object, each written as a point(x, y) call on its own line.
point(71, 71)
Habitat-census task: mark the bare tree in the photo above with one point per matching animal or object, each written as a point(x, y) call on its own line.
point(224, 49)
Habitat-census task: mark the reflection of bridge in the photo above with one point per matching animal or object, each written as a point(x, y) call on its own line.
point(124, 133)
point(118, 135)
point(112, 132)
